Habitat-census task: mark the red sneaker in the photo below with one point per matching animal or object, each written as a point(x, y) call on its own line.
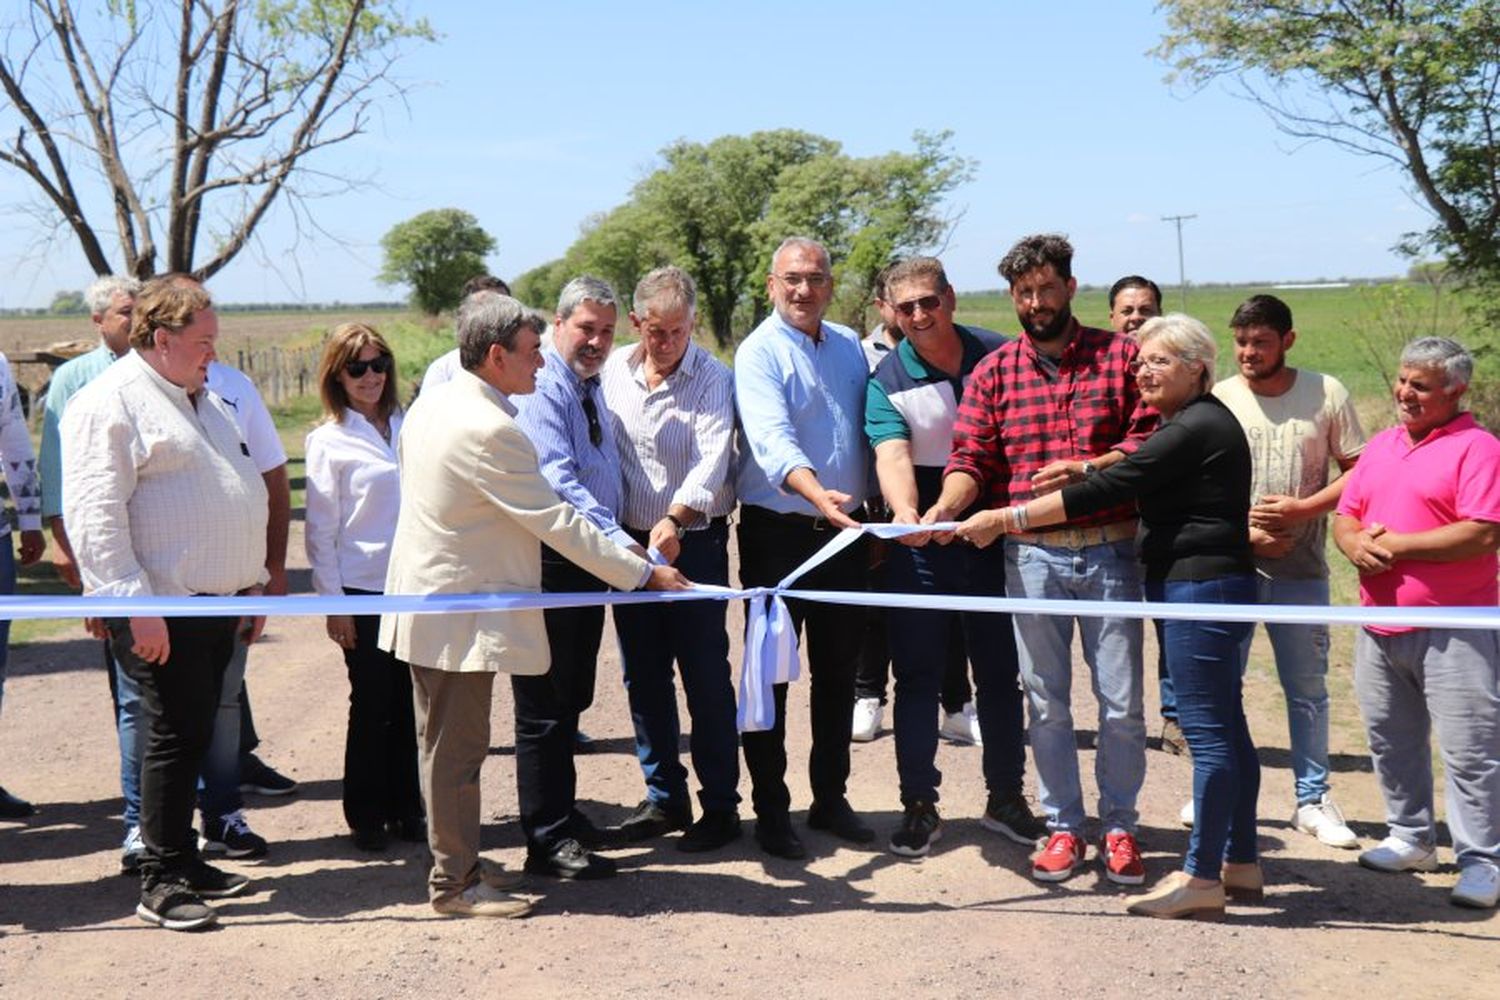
point(1122, 859)
point(1055, 862)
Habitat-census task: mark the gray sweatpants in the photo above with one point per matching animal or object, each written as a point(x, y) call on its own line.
point(1449, 678)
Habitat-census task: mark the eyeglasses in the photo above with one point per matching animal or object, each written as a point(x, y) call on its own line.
point(382, 364)
point(927, 303)
point(813, 281)
point(1155, 363)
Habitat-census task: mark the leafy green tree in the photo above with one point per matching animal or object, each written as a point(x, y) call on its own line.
point(67, 303)
point(1414, 82)
point(183, 122)
point(435, 253)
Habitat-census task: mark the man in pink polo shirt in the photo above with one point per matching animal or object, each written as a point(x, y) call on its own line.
point(1420, 520)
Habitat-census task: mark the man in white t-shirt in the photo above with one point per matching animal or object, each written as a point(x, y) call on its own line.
point(445, 366)
point(1298, 423)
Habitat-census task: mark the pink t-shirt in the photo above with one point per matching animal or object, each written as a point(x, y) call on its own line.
point(1452, 474)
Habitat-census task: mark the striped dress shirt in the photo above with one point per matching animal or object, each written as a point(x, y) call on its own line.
point(585, 474)
point(676, 441)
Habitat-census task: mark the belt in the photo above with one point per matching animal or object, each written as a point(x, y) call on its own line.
point(714, 522)
point(801, 520)
point(1077, 538)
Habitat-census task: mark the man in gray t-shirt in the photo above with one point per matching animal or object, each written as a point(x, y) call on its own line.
point(1298, 424)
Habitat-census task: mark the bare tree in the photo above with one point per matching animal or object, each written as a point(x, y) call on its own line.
point(186, 121)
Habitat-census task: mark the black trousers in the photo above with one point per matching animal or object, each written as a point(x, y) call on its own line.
point(547, 707)
point(178, 700)
point(380, 747)
point(771, 546)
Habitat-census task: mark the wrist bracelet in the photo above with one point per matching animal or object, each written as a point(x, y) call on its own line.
point(1018, 516)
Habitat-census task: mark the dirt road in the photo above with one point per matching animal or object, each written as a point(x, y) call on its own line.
point(327, 921)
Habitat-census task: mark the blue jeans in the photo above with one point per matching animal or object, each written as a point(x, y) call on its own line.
point(219, 785)
point(1112, 650)
point(131, 729)
point(692, 633)
point(1204, 659)
point(1302, 665)
point(921, 644)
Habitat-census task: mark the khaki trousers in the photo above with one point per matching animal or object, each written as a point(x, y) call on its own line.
point(453, 739)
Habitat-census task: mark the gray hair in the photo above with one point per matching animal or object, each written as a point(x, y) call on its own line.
point(101, 293)
point(487, 318)
point(1456, 363)
point(668, 287)
point(1185, 337)
point(806, 243)
point(585, 288)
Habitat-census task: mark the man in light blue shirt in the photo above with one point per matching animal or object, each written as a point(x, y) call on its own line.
point(567, 423)
point(799, 383)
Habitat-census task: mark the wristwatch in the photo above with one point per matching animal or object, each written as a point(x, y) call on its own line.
point(1088, 469)
point(676, 524)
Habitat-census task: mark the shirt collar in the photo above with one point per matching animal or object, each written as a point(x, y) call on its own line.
point(635, 361)
point(973, 352)
point(1463, 421)
point(791, 331)
point(174, 391)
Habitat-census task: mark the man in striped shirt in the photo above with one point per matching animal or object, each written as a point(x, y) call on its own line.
point(671, 404)
point(1042, 411)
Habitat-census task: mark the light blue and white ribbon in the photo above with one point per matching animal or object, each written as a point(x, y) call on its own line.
point(771, 655)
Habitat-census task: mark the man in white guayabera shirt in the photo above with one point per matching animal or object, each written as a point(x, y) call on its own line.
point(162, 498)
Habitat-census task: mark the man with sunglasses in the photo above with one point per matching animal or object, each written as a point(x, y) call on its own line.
point(799, 383)
point(1045, 410)
point(569, 426)
point(909, 413)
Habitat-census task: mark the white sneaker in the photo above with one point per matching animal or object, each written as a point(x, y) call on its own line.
point(1185, 814)
point(1478, 886)
point(868, 714)
point(1323, 819)
point(1396, 855)
point(962, 726)
point(131, 851)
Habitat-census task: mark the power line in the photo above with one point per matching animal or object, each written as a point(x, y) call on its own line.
point(1181, 268)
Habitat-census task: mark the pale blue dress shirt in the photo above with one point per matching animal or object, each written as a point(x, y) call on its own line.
point(801, 404)
point(584, 474)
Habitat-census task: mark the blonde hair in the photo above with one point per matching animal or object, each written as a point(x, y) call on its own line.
point(1187, 339)
point(344, 344)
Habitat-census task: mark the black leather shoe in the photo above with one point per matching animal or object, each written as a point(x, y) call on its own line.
point(652, 820)
point(839, 819)
point(14, 808)
point(568, 859)
point(717, 828)
point(370, 838)
point(591, 835)
point(412, 829)
point(777, 838)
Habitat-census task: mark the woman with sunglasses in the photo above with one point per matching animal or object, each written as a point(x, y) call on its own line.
point(1191, 480)
point(353, 494)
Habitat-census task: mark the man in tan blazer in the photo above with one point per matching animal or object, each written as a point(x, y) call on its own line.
point(474, 510)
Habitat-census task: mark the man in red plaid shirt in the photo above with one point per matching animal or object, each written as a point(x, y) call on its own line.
point(1044, 410)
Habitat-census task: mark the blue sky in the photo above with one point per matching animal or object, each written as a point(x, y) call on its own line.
point(533, 116)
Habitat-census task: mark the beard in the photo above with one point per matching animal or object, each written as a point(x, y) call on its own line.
point(1271, 373)
point(1054, 329)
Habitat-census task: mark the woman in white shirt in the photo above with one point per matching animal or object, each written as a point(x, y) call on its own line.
point(353, 494)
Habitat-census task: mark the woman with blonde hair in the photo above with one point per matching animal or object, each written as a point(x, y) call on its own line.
point(353, 495)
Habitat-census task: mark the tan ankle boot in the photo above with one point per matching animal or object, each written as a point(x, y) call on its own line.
point(1174, 898)
point(1244, 883)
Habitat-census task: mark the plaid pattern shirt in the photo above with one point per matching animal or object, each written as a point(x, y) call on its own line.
point(1014, 418)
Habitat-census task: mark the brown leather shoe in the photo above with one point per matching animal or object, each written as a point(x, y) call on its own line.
point(480, 900)
point(1174, 898)
point(1244, 883)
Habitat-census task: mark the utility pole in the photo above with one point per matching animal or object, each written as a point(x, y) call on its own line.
point(1181, 269)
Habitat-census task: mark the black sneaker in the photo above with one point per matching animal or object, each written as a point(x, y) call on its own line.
point(1010, 816)
point(652, 820)
point(261, 778)
point(232, 837)
point(920, 827)
point(213, 883)
point(170, 903)
point(717, 828)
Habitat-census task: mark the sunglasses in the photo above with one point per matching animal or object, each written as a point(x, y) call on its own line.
point(927, 302)
point(382, 365)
